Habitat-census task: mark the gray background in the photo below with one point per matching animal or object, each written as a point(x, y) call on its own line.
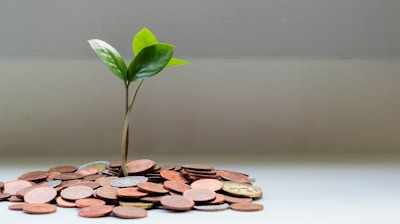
point(265, 76)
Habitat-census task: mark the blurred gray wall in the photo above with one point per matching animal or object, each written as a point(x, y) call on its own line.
point(277, 76)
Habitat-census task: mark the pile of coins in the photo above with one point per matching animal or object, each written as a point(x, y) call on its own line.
point(97, 189)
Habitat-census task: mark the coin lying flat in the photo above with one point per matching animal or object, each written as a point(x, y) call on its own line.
point(129, 212)
point(233, 176)
point(12, 187)
point(108, 193)
point(95, 211)
point(177, 202)
point(16, 207)
point(40, 195)
point(247, 207)
point(200, 195)
point(64, 203)
point(86, 202)
point(242, 189)
point(210, 184)
point(34, 175)
point(64, 169)
point(219, 207)
point(98, 165)
point(39, 208)
point(152, 188)
point(76, 192)
point(130, 192)
point(129, 181)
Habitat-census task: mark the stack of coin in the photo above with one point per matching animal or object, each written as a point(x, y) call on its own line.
point(97, 189)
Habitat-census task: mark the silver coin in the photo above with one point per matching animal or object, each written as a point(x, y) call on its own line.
point(109, 172)
point(53, 183)
point(252, 180)
point(212, 207)
point(99, 165)
point(129, 181)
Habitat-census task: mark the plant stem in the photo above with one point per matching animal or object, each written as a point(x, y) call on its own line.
point(125, 130)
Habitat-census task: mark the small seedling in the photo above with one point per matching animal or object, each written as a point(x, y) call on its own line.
point(151, 57)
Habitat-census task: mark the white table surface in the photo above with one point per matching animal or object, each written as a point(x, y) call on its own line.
point(297, 189)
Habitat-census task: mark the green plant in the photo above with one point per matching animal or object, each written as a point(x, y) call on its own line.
point(151, 57)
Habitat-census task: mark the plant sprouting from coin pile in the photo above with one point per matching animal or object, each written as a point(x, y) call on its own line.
point(151, 57)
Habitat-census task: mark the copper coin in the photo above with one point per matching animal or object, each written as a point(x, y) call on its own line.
point(105, 181)
point(173, 175)
point(152, 188)
point(233, 176)
point(13, 186)
point(52, 183)
point(140, 165)
point(87, 172)
point(177, 202)
point(210, 184)
point(76, 192)
point(40, 195)
point(247, 207)
point(153, 199)
point(14, 198)
point(88, 183)
point(4, 196)
point(68, 176)
point(16, 207)
point(86, 202)
point(231, 199)
point(109, 193)
point(69, 183)
point(93, 177)
point(51, 175)
point(129, 212)
point(21, 193)
point(39, 208)
point(1, 186)
point(198, 167)
point(130, 192)
point(219, 199)
point(95, 211)
point(34, 175)
point(200, 195)
point(64, 169)
point(64, 203)
point(176, 186)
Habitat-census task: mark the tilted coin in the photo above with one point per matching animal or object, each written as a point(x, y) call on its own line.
point(140, 165)
point(64, 203)
point(247, 207)
point(105, 181)
point(86, 202)
point(176, 186)
point(4, 196)
point(173, 175)
point(42, 194)
point(242, 189)
point(129, 181)
point(98, 165)
point(1, 186)
point(233, 176)
point(130, 192)
point(231, 199)
point(198, 167)
point(13, 186)
point(200, 195)
point(76, 192)
point(219, 207)
point(129, 212)
point(16, 207)
point(64, 169)
point(34, 175)
point(152, 188)
point(144, 205)
point(107, 192)
point(68, 176)
point(95, 211)
point(52, 183)
point(87, 172)
point(211, 184)
point(177, 202)
point(109, 172)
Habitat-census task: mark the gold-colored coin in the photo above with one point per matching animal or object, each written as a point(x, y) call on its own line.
point(144, 205)
point(242, 189)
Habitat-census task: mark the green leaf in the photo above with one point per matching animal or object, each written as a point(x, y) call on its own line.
point(142, 39)
point(110, 56)
point(177, 62)
point(150, 61)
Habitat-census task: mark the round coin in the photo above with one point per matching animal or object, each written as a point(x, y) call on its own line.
point(64, 169)
point(4, 196)
point(233, 176)
point(76, 192)
point(219, 207)
point(129, 212)
point(65, 204)
point(40, 208)
point(200, 195)
point(176, 186)
point(40, 195)
point(231, 199)
point(13, 186)
point(173, 175)
point(87, 172)
point(34, 175)
point(140, 165)
point(247, 207)
point(198, 167)
point(108, 193)
point(177, 202)
point(129, 181)
point(152, 188)
point(16, 207)
point(98, 165)
point(242, 189)
point(105, 181)
point(52, 183)
point(86, 202)
point(95, 211)
point(210, 184)
point(130, 192)
point(68, 176)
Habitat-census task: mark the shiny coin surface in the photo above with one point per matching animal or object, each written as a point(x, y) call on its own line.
point(98, 165)
point(242, 189)
point(177, 202)
point(152, 188)
point(129, 212)
point(200, 195)
point(210, 184)
point(129, 181)
point(76, 192)
point(173, 175)
point(39, 208)
point(95, 211)
point(176, 186)
point(40, 195)
point(219, 207)
point(247, 207)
